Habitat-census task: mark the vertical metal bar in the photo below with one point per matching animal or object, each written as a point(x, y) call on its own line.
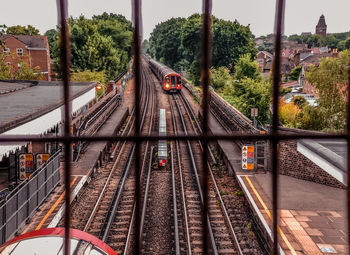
point(276, 81)
point(348, 156)
point(65, 65)
point(205, 77)
point(137, 63)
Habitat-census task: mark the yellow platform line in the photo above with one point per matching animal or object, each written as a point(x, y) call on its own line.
point(54, 206)
point(270, 216)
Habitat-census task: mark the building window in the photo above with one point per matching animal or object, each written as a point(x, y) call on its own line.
point(19, 52)
point(6, 50)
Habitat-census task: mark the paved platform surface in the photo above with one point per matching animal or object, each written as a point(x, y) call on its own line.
point(88, 160)
point(312, 216)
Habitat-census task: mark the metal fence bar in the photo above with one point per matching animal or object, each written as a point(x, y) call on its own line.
point(65, 65)
point(20, 206)
point(276, 83)
point(137, 68)
point(348, 157)
point(205, 76)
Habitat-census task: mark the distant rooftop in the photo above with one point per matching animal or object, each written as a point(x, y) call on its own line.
point(21, 101)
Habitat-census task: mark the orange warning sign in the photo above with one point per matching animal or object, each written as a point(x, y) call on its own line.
point(248, 157)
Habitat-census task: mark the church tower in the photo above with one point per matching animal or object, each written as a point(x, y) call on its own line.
point(321, 28)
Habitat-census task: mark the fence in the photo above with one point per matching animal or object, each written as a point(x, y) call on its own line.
point(24, 200)
point(274, 136)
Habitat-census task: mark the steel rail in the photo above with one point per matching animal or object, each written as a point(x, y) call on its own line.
point(195, 171)
point(176, 226)
point(107, 181)
point(191, 113)
point(188, 239)
point(143, 212)
point(145, 198)
point(116, 198)
point(222, 204)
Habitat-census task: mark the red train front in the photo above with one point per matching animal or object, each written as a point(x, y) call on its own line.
point(171, 81)
point(51, 241)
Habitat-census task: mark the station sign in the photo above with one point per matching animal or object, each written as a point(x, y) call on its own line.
point(248, 157)
point(40, 159)
point(26, 165)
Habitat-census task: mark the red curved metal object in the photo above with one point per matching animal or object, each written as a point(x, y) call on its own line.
point(60, 232)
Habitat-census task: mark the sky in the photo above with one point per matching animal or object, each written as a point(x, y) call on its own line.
point(301, 15)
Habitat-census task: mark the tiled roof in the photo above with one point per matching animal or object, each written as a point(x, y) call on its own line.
point(32, 41)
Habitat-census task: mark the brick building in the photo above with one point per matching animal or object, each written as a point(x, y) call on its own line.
point(32, 49)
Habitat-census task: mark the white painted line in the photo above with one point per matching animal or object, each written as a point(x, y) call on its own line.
point(261, 217)
point(60, 212)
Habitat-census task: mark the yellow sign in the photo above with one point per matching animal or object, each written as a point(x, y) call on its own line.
point(248, 157)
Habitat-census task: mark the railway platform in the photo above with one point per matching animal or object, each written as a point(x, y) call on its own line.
point(50, 213)
point(90, 158)
point(312, 215)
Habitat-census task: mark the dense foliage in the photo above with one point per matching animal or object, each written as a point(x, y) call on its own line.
point(336, 40)
point(331, 81)
point(22, 30)
point(245, 89)
point(102, 43)
point(22, 70)
point(177, 43)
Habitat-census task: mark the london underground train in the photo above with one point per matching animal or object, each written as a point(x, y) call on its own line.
point(50, 241)
point(171, 81)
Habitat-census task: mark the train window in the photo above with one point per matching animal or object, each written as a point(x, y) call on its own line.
point(173, 80)
point(178, 80)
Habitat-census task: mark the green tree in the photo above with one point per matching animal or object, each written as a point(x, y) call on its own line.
point(165, 42)
point(24, 72)
point(177, 43)
point(330, 79)
point(247, 68)
point(220, 78)
point(253, 94)
point(102, 43)
point(294, 74)
point(5, 69)
point(22, 30)
point(299, 101)
point(88, 75)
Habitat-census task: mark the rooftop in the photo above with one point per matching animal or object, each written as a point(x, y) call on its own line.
point(21, 101)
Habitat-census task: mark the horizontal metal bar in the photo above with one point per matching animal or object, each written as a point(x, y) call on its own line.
point(236, 136)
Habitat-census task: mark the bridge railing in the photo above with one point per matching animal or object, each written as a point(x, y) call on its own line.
point(22, 202)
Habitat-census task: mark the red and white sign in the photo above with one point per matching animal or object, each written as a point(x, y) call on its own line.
point(254, 112)
point(248, 157)
point(162, 162)
point(26, 165)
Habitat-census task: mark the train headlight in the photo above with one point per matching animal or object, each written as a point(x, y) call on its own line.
point(167, 85)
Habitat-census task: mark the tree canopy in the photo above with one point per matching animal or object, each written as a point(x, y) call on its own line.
point(22, 30)
point(103, 43)
point(177, 43)
point(331, 78)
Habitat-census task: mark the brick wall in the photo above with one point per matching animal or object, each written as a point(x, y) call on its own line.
point(295, 164)
point(34, 58)
point(13, 44)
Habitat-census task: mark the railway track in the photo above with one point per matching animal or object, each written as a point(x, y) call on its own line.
point(220, 239)
point(106, 207)
point(235, 214)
